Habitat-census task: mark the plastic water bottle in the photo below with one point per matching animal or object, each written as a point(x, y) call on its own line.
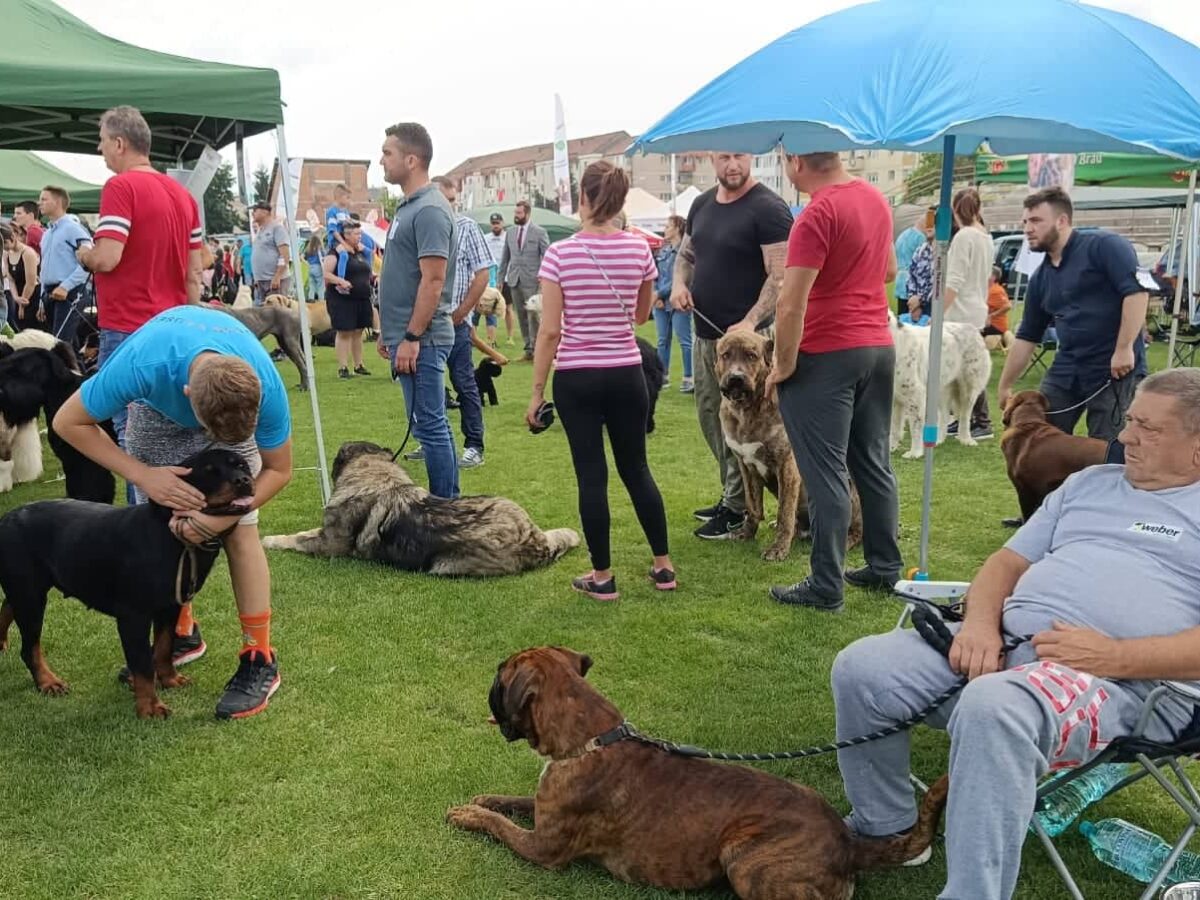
point(1064, 805)
point(1137, 852)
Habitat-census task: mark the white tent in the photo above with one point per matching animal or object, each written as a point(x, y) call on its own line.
point(645, 210)
point(684, 199)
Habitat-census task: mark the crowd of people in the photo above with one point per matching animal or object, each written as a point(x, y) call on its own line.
point(174, 376)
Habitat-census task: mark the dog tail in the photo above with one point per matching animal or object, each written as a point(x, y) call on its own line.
point(873, 853)
point(560, 540)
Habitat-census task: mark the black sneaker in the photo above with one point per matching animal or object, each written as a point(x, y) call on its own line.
point(802, 595)
point(725, 525)
point(344, 373)
point(709, 511)
point(249, 690)
point(952, 428)
point(868, 578)
point(361, 370)
point(184, 650)
point(982, 432)
point(604, 591)
point(662, 579)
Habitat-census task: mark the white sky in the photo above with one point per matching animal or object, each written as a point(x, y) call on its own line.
point(481, 76)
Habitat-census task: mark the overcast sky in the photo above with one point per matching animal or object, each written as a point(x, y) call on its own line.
point(481, 76)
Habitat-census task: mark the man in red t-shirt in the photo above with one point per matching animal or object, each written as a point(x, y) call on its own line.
point(25, 214)
point(146, 258)
point(834, 366)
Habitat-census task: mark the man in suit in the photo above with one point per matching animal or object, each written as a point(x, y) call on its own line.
point(524, 246)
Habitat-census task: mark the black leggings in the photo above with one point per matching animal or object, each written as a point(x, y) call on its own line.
point(587, 401)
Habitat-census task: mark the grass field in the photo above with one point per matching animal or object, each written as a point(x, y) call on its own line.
point(339, 790)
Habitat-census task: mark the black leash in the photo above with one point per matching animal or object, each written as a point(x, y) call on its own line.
point(929, 622)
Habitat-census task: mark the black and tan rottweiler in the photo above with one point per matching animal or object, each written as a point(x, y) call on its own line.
point(121, 561)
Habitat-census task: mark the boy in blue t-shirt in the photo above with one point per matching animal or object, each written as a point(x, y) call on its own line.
point(336, 218)
point(192, 377)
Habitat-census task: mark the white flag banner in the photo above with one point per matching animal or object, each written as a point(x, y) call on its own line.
point(562, 165)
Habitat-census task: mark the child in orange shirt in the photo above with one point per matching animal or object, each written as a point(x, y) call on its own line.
point(998, 307)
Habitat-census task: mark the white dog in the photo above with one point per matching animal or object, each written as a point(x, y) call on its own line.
point(533, 306)
point(244, 298)
point(966, 368)
point(21, 445)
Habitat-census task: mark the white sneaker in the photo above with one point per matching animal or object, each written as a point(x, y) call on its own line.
point(471, 458)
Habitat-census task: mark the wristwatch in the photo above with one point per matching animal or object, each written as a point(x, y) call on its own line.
point(414, 338)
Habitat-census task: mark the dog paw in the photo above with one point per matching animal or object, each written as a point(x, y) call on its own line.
point(152, 709)
point(776, 554)
point(914, 454)
point(174, 681)
point(466, 817)
point(54, 687)
point(967, 441)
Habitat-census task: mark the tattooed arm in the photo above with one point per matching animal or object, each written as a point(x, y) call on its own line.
point(685, 266)
point(775, 261)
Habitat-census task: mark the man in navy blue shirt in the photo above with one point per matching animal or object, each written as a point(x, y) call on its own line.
point(1087, 288)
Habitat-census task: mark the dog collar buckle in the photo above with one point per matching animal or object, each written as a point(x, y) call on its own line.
point(622, 732)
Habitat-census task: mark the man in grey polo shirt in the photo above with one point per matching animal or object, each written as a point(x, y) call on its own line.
point(416, 290)
point(1105, 578)
point(270, 256)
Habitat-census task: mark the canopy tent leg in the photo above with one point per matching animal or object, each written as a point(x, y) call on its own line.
point(1183, 267)
point(240, 133)
point(929, 433)
point(289, 211)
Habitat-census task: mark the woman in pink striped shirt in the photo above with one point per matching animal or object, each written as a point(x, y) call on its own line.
point(595, 286)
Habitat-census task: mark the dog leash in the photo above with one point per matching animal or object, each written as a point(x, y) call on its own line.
point(1082, 403)
point(189, 563)
point(928, 620)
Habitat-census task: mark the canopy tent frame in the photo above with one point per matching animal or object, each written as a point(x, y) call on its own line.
point(189, 104)
point(880, 107)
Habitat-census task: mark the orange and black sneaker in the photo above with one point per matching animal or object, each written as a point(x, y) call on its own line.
point(250, 689)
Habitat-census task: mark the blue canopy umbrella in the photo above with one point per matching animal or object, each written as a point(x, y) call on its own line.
point(1039, 76)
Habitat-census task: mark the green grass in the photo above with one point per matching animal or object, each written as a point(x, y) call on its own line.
point(339, 790)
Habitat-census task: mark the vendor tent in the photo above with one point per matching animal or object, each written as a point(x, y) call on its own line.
point(645, 210)
point(58, 75)
point(1129, 198)
point(24, 174)
point(684, 199)
point(557, 227)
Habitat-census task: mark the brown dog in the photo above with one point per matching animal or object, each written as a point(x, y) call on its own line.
point(755, 434)
point(1038, 455)
point(648, 816)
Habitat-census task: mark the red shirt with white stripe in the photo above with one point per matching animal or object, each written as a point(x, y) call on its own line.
point(597, 332)
point(158, 222)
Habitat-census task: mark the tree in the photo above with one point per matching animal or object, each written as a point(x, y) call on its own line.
point(923, 184)
point(262, 185)
point(219, 215)
point(388, 203)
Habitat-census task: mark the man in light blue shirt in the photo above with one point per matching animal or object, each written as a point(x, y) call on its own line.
point(63, 278)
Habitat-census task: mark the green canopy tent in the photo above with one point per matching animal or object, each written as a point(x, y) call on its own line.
point(24, 174)
point(557, 227)
point(1109, 169)
point(58, 75)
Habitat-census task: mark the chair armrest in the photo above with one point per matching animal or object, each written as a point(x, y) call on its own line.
point(1184, 689)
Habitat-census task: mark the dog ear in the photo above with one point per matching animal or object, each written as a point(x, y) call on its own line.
point(580, 662)
point(510, 706)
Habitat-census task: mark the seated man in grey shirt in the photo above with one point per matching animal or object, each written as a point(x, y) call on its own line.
point(1106, 578)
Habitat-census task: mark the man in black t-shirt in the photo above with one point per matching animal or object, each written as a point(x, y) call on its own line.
point(729, 270)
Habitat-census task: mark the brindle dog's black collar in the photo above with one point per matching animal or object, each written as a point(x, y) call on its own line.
point(622, 732)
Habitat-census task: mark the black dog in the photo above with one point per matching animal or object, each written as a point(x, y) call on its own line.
point(486, 374)
point(656, 376)
point(33, 381)
point(121, 561)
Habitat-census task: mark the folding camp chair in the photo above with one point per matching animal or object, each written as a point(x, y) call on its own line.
point(1187, 343)
point(1150, 757)
point(1048, 345)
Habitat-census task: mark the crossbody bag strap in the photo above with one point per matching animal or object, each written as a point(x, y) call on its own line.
point(612, 287)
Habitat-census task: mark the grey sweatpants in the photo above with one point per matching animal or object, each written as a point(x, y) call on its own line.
point(1006, 731)
point(837, 409)
point(529, 327)
point(708, 408)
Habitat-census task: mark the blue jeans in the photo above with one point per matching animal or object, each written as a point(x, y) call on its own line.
point(667, 320)
point(425, 401)
point(462, 376)
point(109, 342)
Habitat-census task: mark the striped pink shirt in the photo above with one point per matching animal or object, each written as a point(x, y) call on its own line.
point(596, 328)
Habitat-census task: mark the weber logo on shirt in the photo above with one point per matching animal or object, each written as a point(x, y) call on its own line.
point(1165, 532)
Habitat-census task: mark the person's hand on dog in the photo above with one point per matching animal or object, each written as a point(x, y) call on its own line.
point(405, 361)
point(1081, 649)
point(681, 298)
point(59, 293)
point(1003, 395)
point(163, 485)
point(1122, 362)
point(743, 325)
point(977, 650)
point(181, 525)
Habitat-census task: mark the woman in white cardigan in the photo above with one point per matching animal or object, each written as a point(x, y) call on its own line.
point(968, 268)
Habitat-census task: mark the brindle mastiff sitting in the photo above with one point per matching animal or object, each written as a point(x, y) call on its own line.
point(754, 432)
point(647, 816)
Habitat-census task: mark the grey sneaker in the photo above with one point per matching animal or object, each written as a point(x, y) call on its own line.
point(417, 455)
point(687, 386)
point(471, 458)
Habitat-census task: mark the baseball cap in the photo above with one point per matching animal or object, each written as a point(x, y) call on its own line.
point(496, 217)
